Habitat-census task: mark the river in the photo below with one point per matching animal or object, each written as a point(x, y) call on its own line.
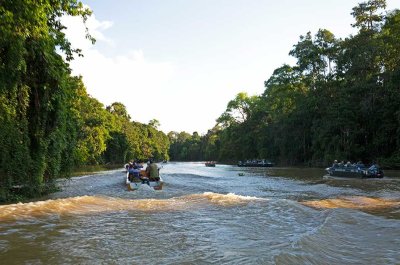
point(208, 215)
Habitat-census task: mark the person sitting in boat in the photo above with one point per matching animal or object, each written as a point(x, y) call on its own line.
point(360, 165)
point(139, 164)
point(136, 174)
point(130, 171)
point(335, 163)
point(144, 177)
point(153, 171)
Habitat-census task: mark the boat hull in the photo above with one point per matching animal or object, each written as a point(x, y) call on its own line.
point(255, 165)
point(132, 185)
point(346, 174)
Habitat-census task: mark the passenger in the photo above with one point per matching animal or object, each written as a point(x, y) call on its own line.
point(153, 171)
point(136, 174)
point(130, 172)
point(335, 164)
point(360, 165)
point(144, 178)
point(139, 164)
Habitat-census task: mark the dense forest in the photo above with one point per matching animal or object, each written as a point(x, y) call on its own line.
point(49, 125)
point(340, 101)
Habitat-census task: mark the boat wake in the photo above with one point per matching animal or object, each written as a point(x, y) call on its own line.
point(354, 202)
point(222, 199)
point(95, 204)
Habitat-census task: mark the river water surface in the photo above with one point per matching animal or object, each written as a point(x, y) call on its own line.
point(208, 215)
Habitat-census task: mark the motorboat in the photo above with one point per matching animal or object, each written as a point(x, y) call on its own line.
point(255, 163)
point(210, 164)
point(358, 170)
point(135, 183)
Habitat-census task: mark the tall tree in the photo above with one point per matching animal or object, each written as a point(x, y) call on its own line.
point(367, 14)
point(34, 84)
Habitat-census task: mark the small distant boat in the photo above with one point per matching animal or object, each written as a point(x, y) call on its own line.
point(354, 171)
point(210, 164)
point(255, 163)
point(136, 183)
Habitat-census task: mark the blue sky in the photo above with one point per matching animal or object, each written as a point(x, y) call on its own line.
point(181, 61)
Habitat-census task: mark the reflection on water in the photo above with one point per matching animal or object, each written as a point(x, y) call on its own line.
point(208, 215)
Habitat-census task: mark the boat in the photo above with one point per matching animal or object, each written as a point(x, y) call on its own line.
point(210, 164)
point(136, 183)
point(255, 163)
point(358, 170)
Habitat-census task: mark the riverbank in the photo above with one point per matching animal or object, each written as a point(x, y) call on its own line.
point(23, 193)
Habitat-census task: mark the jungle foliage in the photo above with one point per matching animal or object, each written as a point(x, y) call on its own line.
point(341, 100)
point(48, 123)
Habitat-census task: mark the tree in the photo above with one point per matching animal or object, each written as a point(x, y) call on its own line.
point(367, 15)
point(94, 129)
point(341, 100)
point(327, 48)
point(118, 109)
point(238, 110)
point(308, 56)
point(35, 89)
point(154, 123)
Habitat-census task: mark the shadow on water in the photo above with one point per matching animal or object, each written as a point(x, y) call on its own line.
point(315, 176)
point(309, 187)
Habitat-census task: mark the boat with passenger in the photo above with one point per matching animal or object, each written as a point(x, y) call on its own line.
point(255, 163)
point(136, 177)
point(135, 183)
point(210, 164)
point(357, 170)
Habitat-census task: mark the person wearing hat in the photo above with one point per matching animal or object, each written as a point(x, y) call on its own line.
point(152, 171)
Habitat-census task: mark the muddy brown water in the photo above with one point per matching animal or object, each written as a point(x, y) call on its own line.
point(209, 215)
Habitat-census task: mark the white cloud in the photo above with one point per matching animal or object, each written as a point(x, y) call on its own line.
point(126, 78)
point(121, 78)
point(76, 31)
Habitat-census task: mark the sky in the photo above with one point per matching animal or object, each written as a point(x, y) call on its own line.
point(182, 61)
